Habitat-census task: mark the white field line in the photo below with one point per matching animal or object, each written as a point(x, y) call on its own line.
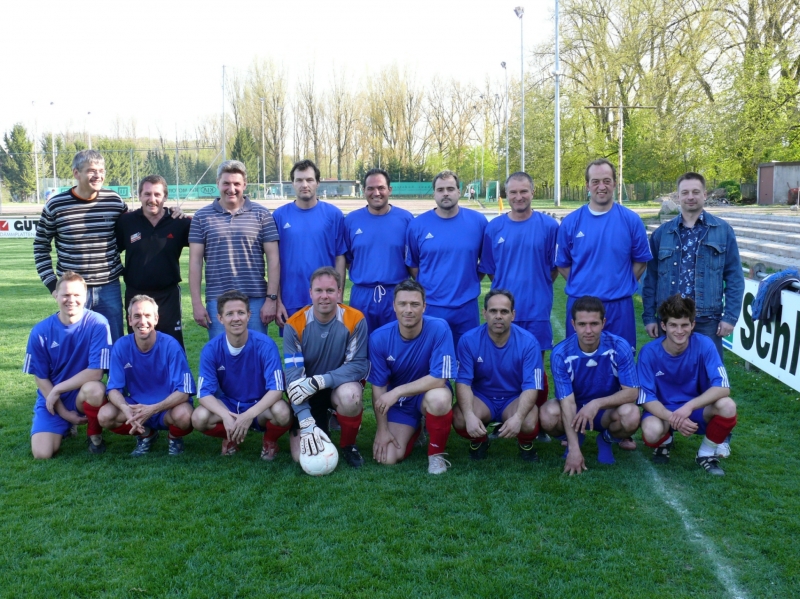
point(557, 327)
point(723, 570)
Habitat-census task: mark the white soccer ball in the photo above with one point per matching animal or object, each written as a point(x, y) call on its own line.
point(322, 463)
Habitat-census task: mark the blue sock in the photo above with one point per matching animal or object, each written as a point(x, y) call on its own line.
point(605, 453)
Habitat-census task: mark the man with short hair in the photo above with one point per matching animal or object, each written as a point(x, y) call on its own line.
point(695, 254)
point(149, 383)
point(376, 247)
point(67, 353)
point(412, 360)
point(153, 242)
point(312, 236)
point(232, 236)
point(240, 386)
point(500, 373)
point(325, 358)
point(81, 221)
point(685, 388)
point(596, 386)
point(602, 251)
point(444, 249)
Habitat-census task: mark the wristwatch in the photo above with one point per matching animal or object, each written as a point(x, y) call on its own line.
point(273, 297)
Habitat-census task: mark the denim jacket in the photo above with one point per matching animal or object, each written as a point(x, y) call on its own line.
point(718, 272)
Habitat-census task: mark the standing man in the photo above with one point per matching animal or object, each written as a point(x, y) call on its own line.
point(241, 384)
point(82, 223)
point(596, 386)
point(153, 242)
point(412, 360)
point(149, 383)
point(602, 251)
point(696, 255)
point(519, 254)
point(500, 373)
point(312, 236)
point(376, 248)
point(67, 353)
point(444, 248)
point(685, 388)
point(232, 236)
point(325, 354)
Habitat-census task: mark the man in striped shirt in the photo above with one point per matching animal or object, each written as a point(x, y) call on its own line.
point(82, 223)
point(232, 236)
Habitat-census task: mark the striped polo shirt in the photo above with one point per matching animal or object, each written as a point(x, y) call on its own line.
point(233, 247)
point(84, 232)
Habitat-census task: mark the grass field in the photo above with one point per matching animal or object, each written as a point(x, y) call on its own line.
point(205, 526)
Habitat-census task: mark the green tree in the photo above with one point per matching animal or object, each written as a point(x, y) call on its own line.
point(244, 149)
point(16, 164)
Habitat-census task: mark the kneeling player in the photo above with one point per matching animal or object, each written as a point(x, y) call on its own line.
point(66, 354)
point(500, 365)
point(241, 382)
point(152, 369)
point(685, 387)
point(596, 387)
point(411, 362)
point(325, 358)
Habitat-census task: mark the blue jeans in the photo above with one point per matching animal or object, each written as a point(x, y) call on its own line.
point(254, 324)
point(107, 300)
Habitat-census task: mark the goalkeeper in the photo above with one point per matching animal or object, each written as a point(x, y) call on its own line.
point(325, 355)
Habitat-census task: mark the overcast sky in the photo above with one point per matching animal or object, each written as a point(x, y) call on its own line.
point(160, 61)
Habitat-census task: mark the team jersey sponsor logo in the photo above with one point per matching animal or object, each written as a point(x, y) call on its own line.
point(128, 365)
point(390, 359)
point(480, 360)
point(53, 344)
point(287, 226)
point(591, 363)
point(136, 237)
point(429, 236)
point(501, 240)
point(359, 232)
point(580, 234)
point(221, 368)
point(659, 373)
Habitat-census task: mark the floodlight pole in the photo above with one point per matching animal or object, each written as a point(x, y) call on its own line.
point(35, 152)
point(557, 73)
point(280, 150)
point(519, 11)
point(505, 70)
point(53, 143)
point(88, 131)
point(224, 152)
point(263, 155)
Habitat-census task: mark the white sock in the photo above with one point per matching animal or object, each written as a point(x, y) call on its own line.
point(707, 448)
point(667, 442)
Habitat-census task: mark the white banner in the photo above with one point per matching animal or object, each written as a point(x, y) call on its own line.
point(774, 347)
point(18, 227)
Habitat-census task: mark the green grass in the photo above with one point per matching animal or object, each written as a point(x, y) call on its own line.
point(204, 526)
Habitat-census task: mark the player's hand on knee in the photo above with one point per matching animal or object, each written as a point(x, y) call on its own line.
point(302, 389)
point(380, 448)
point(384, 402)
point(510, 427)
point(475, 428)
point(74, 417)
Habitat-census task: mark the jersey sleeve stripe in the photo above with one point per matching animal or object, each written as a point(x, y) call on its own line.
point(200, 387)
point(278, 380)
point(105, 359)
point(26, 365)
point(642, 399)
point(724, 374)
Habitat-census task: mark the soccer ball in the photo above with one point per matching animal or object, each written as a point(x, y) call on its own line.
point(321, 464)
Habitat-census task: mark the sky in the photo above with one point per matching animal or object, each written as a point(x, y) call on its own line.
point(160, 62)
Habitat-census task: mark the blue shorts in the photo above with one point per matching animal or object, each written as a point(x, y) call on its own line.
point(407, 410)
point(375, 303)
point(620, 319)
point(696, 416)
point(496, 408)
point(238, 407)
point(541, 329)
point(460, 318)
point(45, 422)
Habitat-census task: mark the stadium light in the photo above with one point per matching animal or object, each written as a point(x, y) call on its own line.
point(263, 154)
point(519, 11)
point(53, 142)
point(280, 150)
point(505, 70)
point(557, 116)
point(35, 150)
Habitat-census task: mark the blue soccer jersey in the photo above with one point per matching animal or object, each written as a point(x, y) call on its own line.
point(499, 373)
point(521, 256)
point(600, 251)
point(594, 375)
point(396, 361)
point(674, 380)
point(148, 378)
point(243, 378)
point(376, 246)
point(447, 252)
point(309, 239)
point(57, 352)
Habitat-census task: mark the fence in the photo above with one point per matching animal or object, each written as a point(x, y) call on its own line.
point(638, 192)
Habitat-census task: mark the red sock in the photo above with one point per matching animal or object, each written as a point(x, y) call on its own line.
point(462, 432)
point(412, 440)
point(719, 427)
point(438, 431)
point(176, 432)
point(659, 442)
point(218, 430)
point(125, 429)
point(93, 426)
point(350, 426)
point(525, 438)
point(274, 431)
point(541, 396)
